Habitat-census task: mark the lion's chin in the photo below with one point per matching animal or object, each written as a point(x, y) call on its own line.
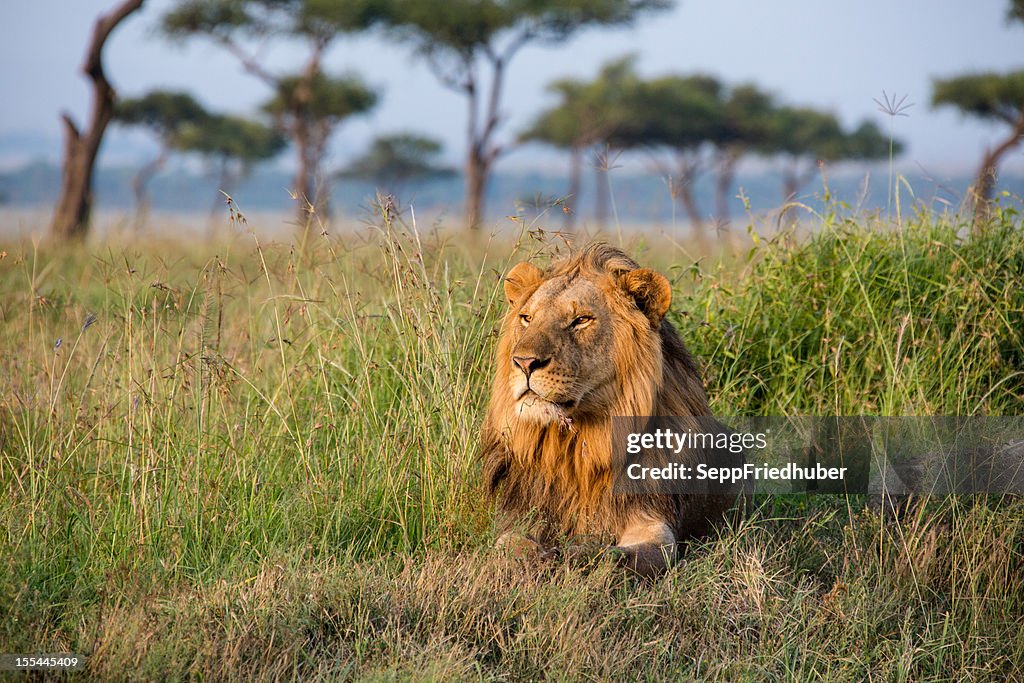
point(532, 408)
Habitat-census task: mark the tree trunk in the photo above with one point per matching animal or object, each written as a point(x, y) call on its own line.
point(794, 177)
point(477, 172)
point(306, 168)
point(308, 190)
point(684, 192)
point(687, 166)
point(790, 185)
point(723, 184)
point(985, 184)
point(320, 184)
point(483, 151)
point(74, 205)
point(140, 188)
point(575, 183)
point(224, 181)
point(308, 148)
point(303, 185)
point(601, 198)
point(792, 180)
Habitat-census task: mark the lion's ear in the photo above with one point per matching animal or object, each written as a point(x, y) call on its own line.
point(521, 276)
point(651, 292)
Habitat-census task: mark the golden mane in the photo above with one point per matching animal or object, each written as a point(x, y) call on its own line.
point(560, 474)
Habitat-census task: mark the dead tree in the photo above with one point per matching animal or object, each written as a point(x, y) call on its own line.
point(74, 206)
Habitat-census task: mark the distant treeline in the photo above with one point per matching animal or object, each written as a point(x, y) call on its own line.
point(638, 197)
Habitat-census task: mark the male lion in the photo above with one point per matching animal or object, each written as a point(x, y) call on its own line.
point(582, 342)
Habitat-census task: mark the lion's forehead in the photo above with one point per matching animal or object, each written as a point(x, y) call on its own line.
point(567, 295)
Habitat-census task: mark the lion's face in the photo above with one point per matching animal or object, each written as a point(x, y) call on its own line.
point(566, 334)
point(563, 336)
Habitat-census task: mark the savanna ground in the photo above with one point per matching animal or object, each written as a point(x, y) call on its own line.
point(256, 462)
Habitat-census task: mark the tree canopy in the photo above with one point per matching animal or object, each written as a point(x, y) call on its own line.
point(747, 119)
point(329, 100)
point(676, 112)
point(396, 159)
point(161, 111)
point(231, 138)
point(227, 20)
point(1016, 11)
point(992, 97)
point(868, 142)
point(466, 27)
point(587, 112)
point(801, 131)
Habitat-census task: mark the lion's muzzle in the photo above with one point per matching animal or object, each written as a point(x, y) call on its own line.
point(530, 364)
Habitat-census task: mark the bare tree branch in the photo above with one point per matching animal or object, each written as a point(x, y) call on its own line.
point(248, 61)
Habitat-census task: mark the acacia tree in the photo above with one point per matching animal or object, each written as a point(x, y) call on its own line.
point(805, 137)
point(468, 45)
point(991, 97)
point(587, 114)
point(1016, 11)
point(563, 127)
point(300, 101)
point(164, 113)
point(745, 127)
point(310, 118)
point(802, 137)
point(677, 120)
point(394, 160)
point(231, 144)
point(868, 143)
point(74, 205)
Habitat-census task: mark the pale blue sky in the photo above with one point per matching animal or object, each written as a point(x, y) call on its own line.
point(827, 54)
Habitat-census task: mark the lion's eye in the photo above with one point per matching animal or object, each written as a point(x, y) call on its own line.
point(525, 319)
point(580, 322)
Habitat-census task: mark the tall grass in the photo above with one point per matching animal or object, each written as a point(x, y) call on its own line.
point(861, 318)
point(257, 461)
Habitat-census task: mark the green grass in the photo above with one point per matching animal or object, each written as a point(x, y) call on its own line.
point(258, 462)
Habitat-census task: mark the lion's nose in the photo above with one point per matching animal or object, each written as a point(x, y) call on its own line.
point(530, 364)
